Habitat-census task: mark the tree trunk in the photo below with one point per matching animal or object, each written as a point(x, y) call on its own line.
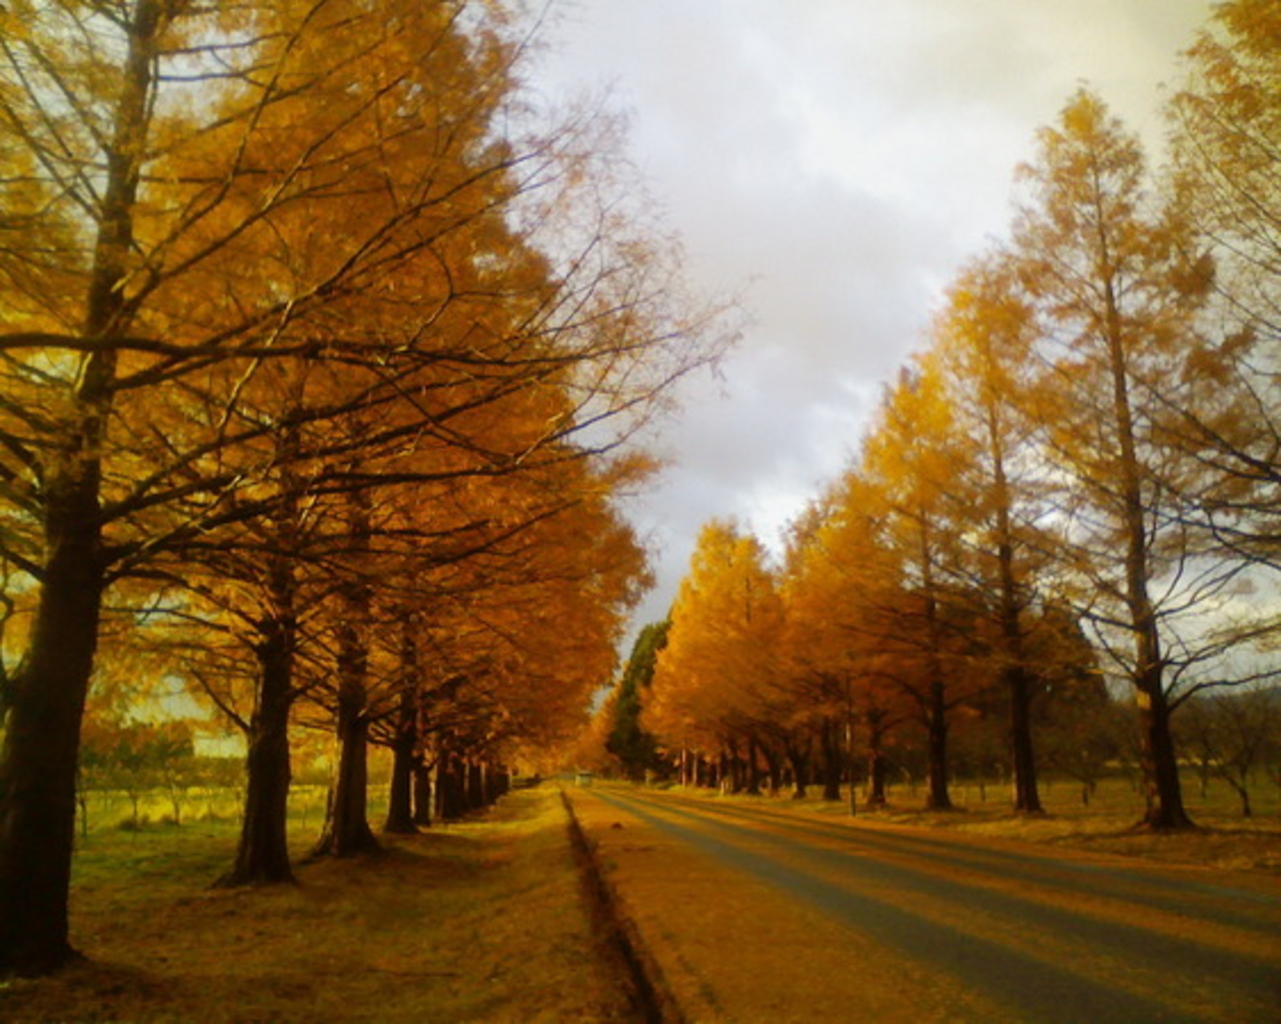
point(440, 797)
point(937, 799)
point(799, 760)
point(451, 793)
point(263, 851)
point(43, 703)
point(1203, 774)
point(731, 768)
point(347, 830)
point(773, 768)
point(422, 793)
point(501, 781)
point(1161, 787)
point(753, 768)
point(400, 798)
point(41, 749)
point(83, 800)
point(876, 763)
point(1160, 766)
point(474, 776)
point(486, 789)
point(1244, 793)
point(876, 772)
point(405, 757)
point(850, 766)
point(831, 760)
point(1027, 797)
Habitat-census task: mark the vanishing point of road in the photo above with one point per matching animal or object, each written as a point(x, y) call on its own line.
point(745, 912)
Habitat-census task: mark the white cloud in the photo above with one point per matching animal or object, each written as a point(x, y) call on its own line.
point(840, 158)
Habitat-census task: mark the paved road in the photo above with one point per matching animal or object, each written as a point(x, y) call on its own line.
point(937, 926)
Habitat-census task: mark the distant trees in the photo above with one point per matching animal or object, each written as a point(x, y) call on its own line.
point(137, 757)
point(634, 747)
point(836, 582)
point(1073, 487)
point(259, 269)
point(715, 683)
point(1231, 736)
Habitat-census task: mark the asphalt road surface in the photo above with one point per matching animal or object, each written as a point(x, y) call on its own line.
point(935, 926)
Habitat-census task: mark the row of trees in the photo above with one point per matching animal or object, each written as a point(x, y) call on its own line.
point(1084, 733)
point(320, 351)
point(1076, 481)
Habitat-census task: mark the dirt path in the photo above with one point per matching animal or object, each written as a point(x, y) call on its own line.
point(750, 913)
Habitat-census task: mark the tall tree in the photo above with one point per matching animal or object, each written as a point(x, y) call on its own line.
point(1116, 284)
point(218, 205)
point(983, 341)
point(915, 463)
point(1226, 160)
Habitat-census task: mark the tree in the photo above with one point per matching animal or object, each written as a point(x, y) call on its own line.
point(1116, 286)
point(241, 230)
point(1225, 156)
point(478, 668)
point(840, 585)
point(716, 681)
point(137, 757)
point(983, 341)
point(635, 748)
point(914, 463)
point(1225, 175)
point(347, 830)
point(1232, 734)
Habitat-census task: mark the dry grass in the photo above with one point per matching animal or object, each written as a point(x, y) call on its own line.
point(1223, 838)
point(478, 921)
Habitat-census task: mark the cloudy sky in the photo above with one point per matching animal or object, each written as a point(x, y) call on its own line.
point(835, 161)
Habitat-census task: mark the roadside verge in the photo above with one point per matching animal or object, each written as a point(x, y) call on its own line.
point(650, 991)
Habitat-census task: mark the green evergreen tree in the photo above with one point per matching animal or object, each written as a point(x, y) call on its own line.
point(636, 749)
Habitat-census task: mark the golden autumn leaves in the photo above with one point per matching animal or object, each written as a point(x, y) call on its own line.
point(1074, 481)
point(319, 351)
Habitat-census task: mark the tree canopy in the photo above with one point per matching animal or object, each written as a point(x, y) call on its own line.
point(294, 293)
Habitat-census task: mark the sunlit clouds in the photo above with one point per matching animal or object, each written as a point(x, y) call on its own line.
point(836, 161)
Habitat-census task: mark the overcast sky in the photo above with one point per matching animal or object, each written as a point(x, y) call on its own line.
point(835, 161)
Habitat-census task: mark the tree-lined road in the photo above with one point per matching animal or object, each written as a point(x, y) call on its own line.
point(753, 912)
